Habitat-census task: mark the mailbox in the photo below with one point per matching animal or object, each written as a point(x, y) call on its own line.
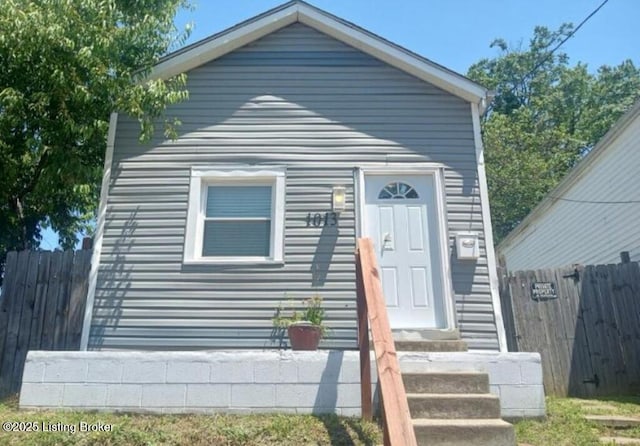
point(467, 246)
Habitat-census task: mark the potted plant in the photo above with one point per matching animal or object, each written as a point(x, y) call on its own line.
point(305, 328)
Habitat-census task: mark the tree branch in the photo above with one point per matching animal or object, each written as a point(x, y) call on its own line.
point(35, 177)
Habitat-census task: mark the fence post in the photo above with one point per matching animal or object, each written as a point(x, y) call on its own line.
point(87, 243)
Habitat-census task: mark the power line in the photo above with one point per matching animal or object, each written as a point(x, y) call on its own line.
point(539, 64)
point(570, 35)
point(550, 53)
point(595, 202)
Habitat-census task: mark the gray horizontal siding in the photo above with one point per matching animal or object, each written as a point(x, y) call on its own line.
point(294, 98)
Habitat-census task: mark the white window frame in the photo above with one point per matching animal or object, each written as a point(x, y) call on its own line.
point(202, 178)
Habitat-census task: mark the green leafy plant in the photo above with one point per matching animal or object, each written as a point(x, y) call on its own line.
point(58, 87)
point(312, 313)
point(547, 113)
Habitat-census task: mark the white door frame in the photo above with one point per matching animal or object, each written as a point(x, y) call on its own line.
point(437, 172)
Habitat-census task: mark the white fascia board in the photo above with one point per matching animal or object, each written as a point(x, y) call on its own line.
point(99, 234)
point(494, 285)
point(226, 43)
point(431, 73)
point(581, 169)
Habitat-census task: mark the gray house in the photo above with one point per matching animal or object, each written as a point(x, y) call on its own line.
point(301, 133)
point(592, 215)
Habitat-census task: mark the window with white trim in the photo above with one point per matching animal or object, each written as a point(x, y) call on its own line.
point(235, 215)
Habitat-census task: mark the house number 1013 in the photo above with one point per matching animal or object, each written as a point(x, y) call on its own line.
point(318, 219)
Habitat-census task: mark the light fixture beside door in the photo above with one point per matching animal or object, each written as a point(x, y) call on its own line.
point(338, 199)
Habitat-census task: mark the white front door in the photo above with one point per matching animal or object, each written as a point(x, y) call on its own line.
point(400, 217)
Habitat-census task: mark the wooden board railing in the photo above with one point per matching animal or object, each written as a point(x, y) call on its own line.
point(398, 428)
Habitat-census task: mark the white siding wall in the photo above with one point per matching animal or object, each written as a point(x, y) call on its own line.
point(588, 233)
point(296, 98)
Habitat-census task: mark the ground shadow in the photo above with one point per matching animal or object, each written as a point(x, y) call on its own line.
point(326, 401)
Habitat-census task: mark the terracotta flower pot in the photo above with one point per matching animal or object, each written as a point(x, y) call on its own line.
point(304, 336)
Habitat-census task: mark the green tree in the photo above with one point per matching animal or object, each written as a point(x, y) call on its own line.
point(65, 66)
point(545, 116)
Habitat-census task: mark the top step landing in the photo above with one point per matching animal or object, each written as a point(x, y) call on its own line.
point(428, 341)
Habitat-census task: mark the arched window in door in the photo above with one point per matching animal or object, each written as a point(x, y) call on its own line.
point(397, 190)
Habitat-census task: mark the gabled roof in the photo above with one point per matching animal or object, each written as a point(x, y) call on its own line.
point(250, 30)
point(574, 175)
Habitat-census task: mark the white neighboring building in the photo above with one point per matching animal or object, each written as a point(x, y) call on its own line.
point(592, 215)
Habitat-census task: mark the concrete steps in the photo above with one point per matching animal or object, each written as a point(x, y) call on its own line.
point(446, 382)
point(619, 423)
point(456, 345)
point(619, 440)
point(464, 432)
point(453, 408)
point(614, 421)
point(454, 405)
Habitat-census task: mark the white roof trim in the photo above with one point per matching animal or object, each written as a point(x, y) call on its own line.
point(227, 41)
point(402, 59)
point(572, 177)
point(297, 11)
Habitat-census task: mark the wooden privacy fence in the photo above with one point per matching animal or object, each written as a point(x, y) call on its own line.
point(584, 321)
point(41, 307)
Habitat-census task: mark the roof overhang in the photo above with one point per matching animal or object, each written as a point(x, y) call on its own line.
point(246, 32)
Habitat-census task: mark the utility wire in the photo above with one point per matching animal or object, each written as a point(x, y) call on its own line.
point(540, 63)
point(550, 53)
point(594, 202)
point(570, 35)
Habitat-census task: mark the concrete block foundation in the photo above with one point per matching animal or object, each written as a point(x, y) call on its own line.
point(251, 381)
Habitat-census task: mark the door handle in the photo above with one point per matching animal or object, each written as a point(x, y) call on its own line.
point(387, 242)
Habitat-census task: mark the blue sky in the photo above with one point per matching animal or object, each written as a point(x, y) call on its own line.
point(454, 33)
point(457, 33)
